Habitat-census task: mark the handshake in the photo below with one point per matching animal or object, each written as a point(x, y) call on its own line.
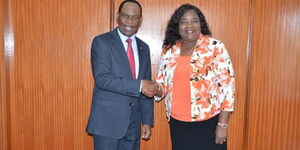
point(150, 88)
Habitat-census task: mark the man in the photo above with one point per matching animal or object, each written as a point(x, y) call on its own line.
point(121, 113)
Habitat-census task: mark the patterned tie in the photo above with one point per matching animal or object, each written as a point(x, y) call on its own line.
point(130, 56)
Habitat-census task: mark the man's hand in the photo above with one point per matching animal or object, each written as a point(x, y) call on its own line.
point(149, 88)
point(146, 132)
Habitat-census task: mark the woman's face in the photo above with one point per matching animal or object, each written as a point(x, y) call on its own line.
point(189, 26)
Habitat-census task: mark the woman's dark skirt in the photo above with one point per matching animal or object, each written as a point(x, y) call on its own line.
point(195, 135)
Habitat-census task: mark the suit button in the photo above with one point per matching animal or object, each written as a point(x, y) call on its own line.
point(130, 104)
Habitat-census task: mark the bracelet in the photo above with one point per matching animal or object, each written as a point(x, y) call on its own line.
point(223, 125)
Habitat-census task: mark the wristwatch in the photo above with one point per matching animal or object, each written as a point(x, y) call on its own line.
point(223, 125)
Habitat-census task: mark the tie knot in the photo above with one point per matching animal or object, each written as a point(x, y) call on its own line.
point(129, 40)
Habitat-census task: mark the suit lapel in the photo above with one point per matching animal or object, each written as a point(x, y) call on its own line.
point(123, 56)
point(119, 47)
point(141, 54)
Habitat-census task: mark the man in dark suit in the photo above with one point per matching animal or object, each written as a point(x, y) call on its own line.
point(121, 110)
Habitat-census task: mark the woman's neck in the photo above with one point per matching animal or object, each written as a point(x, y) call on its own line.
point(187, 48)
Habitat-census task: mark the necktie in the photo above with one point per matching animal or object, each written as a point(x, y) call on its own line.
point(130, 56)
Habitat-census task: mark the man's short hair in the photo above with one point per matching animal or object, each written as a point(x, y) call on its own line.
point(132, 1)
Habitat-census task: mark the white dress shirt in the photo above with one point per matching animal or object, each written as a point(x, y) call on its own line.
point(135, 50)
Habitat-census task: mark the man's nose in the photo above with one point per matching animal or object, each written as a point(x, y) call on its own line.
point(130, 20)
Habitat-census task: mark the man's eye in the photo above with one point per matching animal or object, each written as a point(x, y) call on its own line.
point(136, 17)
point(125, 16)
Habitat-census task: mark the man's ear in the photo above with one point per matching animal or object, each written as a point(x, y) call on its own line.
point(141, 21)
point(117, 18)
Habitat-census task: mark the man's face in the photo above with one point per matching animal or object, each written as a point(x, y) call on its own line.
point(129, 19)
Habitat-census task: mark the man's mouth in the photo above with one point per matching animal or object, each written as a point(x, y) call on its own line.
point(128, 27)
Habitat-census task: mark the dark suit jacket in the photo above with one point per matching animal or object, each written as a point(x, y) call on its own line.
point(114, 89)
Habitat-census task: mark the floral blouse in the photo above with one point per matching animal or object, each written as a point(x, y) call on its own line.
point(212, 79)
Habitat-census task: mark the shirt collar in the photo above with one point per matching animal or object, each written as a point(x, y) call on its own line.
point(124, 37)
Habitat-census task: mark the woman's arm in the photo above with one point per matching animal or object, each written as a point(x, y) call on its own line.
point(221, 130)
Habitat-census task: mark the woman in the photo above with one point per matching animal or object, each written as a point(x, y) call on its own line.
point(196, 80)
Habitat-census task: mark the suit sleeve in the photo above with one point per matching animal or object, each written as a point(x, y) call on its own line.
point(147, 103)
point(104, 79)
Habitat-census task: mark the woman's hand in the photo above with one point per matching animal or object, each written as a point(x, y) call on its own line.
point(221, 135)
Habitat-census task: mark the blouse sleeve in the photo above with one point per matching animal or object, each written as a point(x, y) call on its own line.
point(160, 78)
point(225, 77)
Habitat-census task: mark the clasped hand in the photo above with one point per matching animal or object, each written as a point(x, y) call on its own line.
point(150, 88)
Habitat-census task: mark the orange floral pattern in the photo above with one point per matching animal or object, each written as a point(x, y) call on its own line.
point(211, 78)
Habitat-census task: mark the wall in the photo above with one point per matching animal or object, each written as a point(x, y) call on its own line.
point(3, 106)
point(50, 80)
point(274, 100)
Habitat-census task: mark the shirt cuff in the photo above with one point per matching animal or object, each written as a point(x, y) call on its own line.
point(141, 85)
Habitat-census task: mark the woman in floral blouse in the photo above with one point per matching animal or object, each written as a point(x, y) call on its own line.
point(196, 80)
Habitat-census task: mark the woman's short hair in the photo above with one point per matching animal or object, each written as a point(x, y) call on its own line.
point(172, 33)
